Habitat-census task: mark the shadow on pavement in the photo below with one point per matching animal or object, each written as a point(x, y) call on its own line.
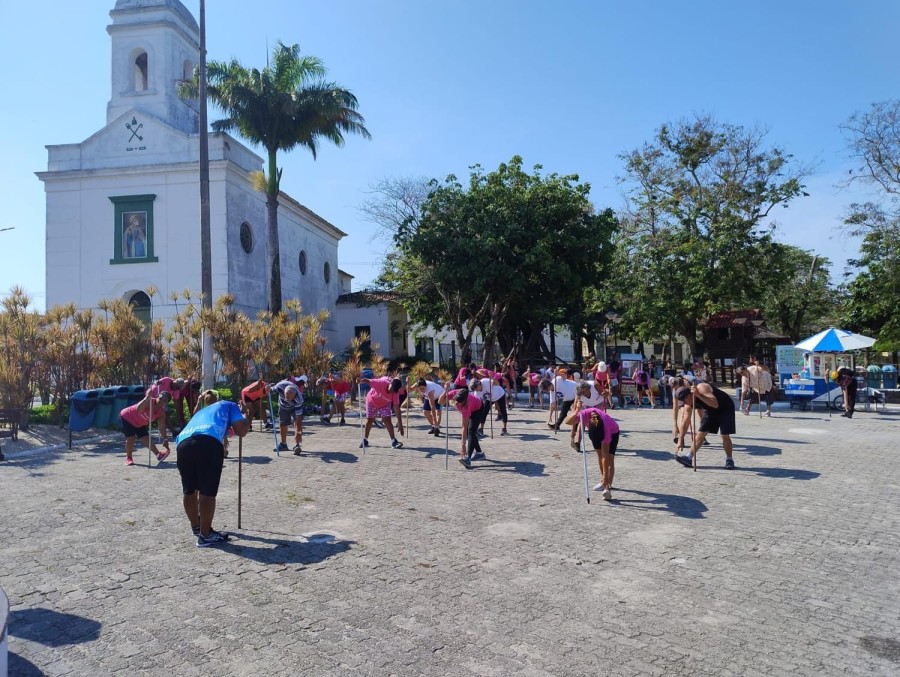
point(284, 550)
point(756, 450)
point(527, 468)
point(22, 667)
point(52, 628)
point(681, 506)
point(332, 456)
point(654, 455)
point(534, 437)
point(782, 473)
point(253, 460)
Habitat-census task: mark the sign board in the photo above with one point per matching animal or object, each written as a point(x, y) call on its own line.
point(789, 360)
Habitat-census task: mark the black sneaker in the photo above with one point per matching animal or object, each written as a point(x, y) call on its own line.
point(684, 460)
point(466, 462)
point(397, 444)
point(478, 456)
point(437, 432)
point(297, 450)
point(213, 538)
point(363, 444)
point(282, 447)
point(268, 426)
point(729, 464)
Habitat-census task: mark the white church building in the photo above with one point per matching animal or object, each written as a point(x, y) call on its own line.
point(123, 206)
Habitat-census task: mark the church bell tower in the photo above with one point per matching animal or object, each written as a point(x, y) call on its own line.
point(155, 44)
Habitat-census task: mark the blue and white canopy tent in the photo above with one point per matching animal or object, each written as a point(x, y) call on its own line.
point(834, 340)
point(824, 355)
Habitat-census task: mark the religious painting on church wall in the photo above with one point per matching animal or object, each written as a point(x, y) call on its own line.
point(133, 235)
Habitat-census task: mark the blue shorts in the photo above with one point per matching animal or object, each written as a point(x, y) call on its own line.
point(427, 405)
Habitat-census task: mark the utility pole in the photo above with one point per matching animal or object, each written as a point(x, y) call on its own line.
point(205, 239)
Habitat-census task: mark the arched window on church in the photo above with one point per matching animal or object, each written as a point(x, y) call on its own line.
point(187, 71)
point(140, 306)
point(140, 72)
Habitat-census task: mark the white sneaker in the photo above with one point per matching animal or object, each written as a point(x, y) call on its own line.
point(607, 495)
point(599, 487)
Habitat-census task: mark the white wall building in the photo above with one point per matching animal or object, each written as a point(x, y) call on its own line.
point(123, 206)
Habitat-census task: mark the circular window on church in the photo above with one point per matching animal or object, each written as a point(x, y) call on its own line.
point(327, 272)
point(302, 262)
point(246, 237)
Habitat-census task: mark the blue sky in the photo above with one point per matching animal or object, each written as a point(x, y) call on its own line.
point(569, 85)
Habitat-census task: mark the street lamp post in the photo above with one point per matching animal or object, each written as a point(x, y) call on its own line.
point(615, 318)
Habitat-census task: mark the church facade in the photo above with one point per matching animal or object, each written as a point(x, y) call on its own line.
point(123, 206)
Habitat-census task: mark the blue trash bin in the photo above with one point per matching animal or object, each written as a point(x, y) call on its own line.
point(82, 407)
point(889, 375)
point(137, 393)
point(105, 402)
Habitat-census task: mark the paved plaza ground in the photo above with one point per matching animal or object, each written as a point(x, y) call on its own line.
point(388, 564)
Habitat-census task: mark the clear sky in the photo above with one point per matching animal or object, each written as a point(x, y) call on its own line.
point(445, 85)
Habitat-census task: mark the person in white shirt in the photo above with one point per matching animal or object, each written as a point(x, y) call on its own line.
point(588, 396)
point(431, 393)
point(564, 389)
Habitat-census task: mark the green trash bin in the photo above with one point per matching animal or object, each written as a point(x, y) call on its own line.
point(889, 374)
point(873, 376)
point(123, 399)
point(105, 403)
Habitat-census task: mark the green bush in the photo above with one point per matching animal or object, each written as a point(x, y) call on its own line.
point(45, 414)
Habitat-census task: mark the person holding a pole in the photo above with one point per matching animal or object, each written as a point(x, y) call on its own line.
point(382, 400)
point(493, 390)
point(431, 393)
point(474, 411)
point(603, 432)
point(290, 410)
point(564, 390)
point(587, 396)
point(341, 389)
point(718, 418)
point(201, 456)
point(136, 421)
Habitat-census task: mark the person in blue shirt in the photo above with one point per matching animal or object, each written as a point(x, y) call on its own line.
point(201, 456)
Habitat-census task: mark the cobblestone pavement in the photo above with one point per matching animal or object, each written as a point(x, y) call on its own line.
point(788, 564)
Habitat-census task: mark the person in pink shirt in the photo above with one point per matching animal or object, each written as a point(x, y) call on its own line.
point(382, 400)
point(341, 389)
point(136, 425)
point(603, 432)
point(601, 378)
point(463, 375)
point(532, 380)
point(474, 411)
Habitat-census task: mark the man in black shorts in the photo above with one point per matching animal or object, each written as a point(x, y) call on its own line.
point(718, 417)
point(201, 455)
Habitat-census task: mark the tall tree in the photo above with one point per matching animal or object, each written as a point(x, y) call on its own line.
point(700, 196)
point(874, 142)
point(505, 238)
point(799, 300)
point(286, 104)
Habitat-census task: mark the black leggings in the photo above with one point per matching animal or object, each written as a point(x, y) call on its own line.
point(501, 410)
point(563, 411)
point(475, 421)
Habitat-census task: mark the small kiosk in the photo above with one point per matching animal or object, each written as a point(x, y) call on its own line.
point(818, 357)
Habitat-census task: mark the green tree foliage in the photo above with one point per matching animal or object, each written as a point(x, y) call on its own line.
point(505, 240)
point(799, 300)
point(700, 195)
point(286, 104)
point(21, 344)
point(871, 306)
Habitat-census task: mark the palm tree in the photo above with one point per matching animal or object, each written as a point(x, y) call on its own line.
point(286, 104)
